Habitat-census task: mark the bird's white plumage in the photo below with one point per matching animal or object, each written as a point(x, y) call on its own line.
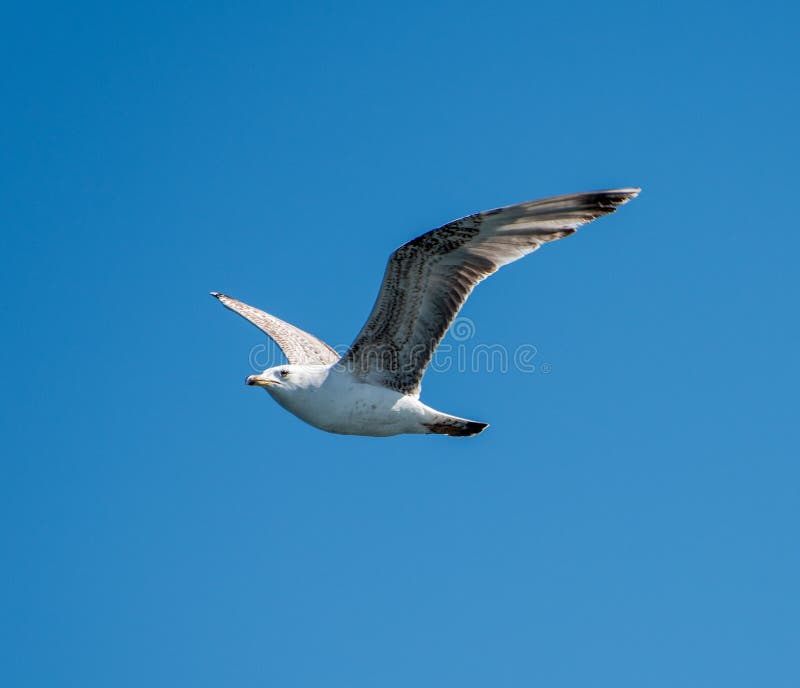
point(373, 389)
point(330, 398)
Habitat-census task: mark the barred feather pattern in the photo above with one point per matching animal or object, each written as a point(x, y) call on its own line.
point(427, 280)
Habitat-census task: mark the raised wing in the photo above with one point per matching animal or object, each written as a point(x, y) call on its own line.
point(298, 346)
point(428, 279)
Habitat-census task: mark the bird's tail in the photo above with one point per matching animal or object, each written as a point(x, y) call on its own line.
point(455, 426)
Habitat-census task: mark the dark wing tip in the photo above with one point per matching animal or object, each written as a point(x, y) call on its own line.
point(216, 294)
point(598, 203)
point(621, 196)
point(615, 196)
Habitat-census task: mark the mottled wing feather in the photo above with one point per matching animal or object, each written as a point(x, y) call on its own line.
point(428, 279)
point(298, 346)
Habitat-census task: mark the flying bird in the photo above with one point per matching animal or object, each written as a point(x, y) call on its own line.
point(374, 388)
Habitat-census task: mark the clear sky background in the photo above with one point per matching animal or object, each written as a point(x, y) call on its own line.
point(631, 516)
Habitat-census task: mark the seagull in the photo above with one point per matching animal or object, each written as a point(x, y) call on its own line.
point(374, 388)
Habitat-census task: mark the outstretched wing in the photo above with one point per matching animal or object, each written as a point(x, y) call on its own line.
point(298, 346)
point(428, 279)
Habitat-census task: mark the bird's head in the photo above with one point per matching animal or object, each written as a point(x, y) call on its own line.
point(283, 378)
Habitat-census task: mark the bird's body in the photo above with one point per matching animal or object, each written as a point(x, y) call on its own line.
point(374, 388)
point(331, 399)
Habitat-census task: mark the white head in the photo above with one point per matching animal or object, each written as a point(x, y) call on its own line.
point(288, 378)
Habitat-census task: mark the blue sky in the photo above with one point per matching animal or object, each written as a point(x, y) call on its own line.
point(630, 517)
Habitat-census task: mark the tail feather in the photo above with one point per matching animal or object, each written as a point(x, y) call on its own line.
point(455, 427)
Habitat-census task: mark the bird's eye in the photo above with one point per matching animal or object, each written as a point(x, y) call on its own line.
point(284, 373)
